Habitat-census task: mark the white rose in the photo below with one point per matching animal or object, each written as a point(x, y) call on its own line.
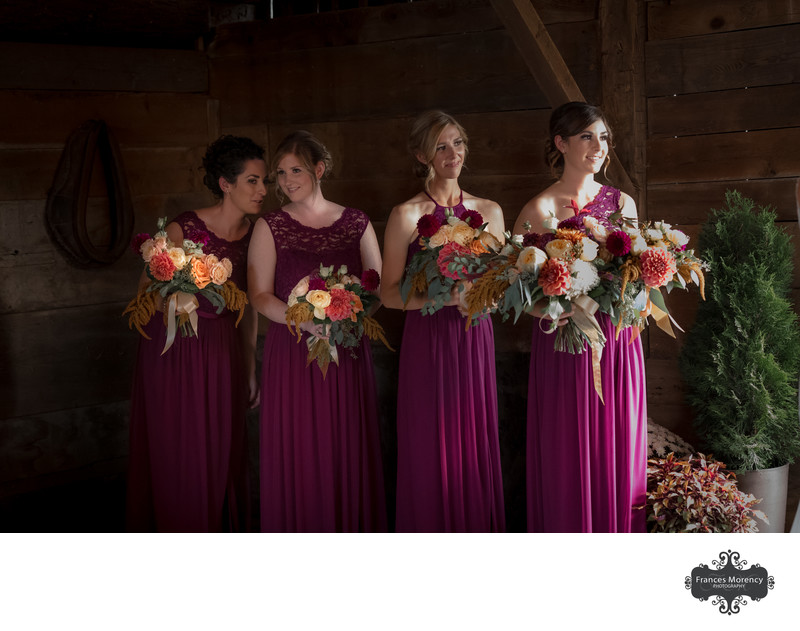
point(558, 248)
point(598, 230)
point(677, 237)
point(589, 249)
point(530, 260)
point(638, 244)
point(551, 223)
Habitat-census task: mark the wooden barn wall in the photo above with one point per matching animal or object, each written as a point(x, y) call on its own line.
point(721, 109)
point(357, 79)
point(723, 112)
point(66, 354)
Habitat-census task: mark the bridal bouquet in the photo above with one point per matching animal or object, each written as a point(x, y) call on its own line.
point(452, 250)
point(341, 303)
point(637, 261)
point(178, 273)
point(558, 268)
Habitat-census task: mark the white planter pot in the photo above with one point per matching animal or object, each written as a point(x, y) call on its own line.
point(770, 486)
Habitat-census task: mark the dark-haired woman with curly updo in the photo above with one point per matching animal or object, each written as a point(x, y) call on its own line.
point(586, 457)
point(448, 452)
point(187, 470)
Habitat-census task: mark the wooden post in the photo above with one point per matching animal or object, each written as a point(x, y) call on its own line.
point(547, 66)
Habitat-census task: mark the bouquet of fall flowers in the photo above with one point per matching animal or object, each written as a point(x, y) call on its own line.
point(450, 251)
point(339, 301)
point(178, 273)
point(636, 261)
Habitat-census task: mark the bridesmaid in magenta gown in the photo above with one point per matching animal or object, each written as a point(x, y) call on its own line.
point(321, 465)
point(586, 460)
point(448, 453)
point(187, 470)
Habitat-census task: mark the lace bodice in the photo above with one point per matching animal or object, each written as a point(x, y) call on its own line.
point(604, 204)
point(301, 249)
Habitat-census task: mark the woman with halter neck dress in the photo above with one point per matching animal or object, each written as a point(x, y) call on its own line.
point(448, 469)
point(586, 460)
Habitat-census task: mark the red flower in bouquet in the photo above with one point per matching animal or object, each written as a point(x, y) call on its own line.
point(618, 243)
point(370, 280)
point(446, 255)
point(554, 277)
point(161, 267)
point(316, 283)
point(138, 240)
point(658, 267)
point(428, 225)
point(341, 305)
point(473, 218)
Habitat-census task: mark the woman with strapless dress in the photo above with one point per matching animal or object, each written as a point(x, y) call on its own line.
point(448, 456)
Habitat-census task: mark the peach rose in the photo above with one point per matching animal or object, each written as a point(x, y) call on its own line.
point(178, 257)
point(148, 250)
point(490, 241)
point(200, 273)
point(558, 248)
point(161, 243)
point(219, 275)
point(318, 299)
point(441, 237)
point(598, 230)
point(462, 234)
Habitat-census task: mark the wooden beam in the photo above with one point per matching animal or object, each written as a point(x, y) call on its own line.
point(547, 65)
point(622, 24)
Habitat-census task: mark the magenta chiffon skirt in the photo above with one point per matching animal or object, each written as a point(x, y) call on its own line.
point(187, 470)
point(587, 461)
point(448, 453)
point(321, 465)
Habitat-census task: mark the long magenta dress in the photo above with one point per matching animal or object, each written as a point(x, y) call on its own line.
point(448, 450)
point(587, 461)
point(321, 465)
point(187, 470)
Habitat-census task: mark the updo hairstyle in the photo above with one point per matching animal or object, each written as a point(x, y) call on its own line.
point(568, 120)
point(309, 150)
point(225, 157)
point(424, 137)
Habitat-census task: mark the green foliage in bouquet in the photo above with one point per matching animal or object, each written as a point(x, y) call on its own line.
point(697, 495)
point(741, 359)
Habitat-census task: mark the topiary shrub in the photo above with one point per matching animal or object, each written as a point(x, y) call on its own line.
point(740, 360)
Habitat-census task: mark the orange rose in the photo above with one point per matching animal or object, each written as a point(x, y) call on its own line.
point(200, 273)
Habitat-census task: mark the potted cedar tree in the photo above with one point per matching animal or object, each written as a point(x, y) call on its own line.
point(740, 360)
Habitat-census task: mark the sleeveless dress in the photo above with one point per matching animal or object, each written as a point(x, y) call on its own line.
point(321, 467)
point(448, 450)
point(187, 469)
point(587, 461)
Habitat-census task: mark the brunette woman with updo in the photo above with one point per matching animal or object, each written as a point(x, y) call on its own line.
point(448, 454)
point(586, 458)
point(321, 465)
point(187, 470)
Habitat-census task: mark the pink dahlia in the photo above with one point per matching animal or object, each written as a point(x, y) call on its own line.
point(473, 218)
point(428, 225)
point(618, 243)
point(340, 307)
point(162, 267)
point(446, 255)
point(658, 267)
point(316, 282)
point(370, 280)
point(554, 277)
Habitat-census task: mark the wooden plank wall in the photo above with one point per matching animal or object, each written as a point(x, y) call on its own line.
point(66, 355)
point(723, 112)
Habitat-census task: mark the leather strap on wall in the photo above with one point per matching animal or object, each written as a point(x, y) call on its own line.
point(65, 214)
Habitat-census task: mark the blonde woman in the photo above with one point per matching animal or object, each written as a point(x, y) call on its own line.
point(448, 469)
